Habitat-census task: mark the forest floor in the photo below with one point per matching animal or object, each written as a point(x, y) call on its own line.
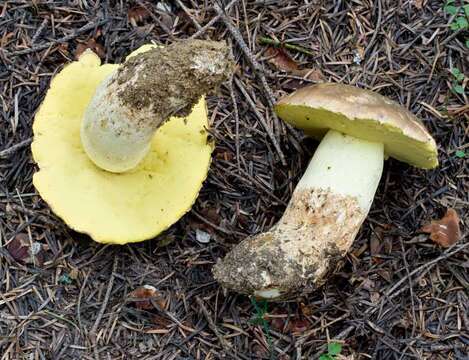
point(398, 295)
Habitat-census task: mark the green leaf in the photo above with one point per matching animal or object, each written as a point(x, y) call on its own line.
point(450, 9)
point(466, 9)
point(462, 22)
point(334, 348)
point(458, 89)
point(467, 43)
point(460, 154)
point(455, 71)
point(454, 26)
point(450, 2)
point(326, 357)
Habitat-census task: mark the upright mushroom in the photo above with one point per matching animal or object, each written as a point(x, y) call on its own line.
point(359, 128)
point(122, 150)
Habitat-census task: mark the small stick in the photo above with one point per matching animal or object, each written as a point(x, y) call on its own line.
point(104, 305)
point(204, 28)
point(268, 41)
point(236, 114)
point(39, 30)
point(259, 73)
point(7, 152)
point(261, 119)
point(212, 325)
point(80, 31)
point(186, 10)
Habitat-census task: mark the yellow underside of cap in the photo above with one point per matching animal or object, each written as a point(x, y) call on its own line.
point(316, 122)
point(114, 208)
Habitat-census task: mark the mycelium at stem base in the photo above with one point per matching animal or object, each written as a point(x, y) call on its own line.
point(319, 225)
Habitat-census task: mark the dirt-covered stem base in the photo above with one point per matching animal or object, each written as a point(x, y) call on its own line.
point(133, 102)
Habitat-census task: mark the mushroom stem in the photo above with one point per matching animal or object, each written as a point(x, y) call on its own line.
point(135, 100)
point(326, 210)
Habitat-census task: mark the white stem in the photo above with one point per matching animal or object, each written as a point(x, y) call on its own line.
point(116, 137)
point(346, 165)
point(327, 208)
point(134, 101)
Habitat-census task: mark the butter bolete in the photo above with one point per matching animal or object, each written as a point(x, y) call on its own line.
point(122, 150)
point(358, 128)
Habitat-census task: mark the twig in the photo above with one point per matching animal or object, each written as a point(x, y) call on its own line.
point(410, 285)
point(268, 41)
point(7, 152)
point(236, 115)
point(79, 300)
point(39, 30)
point(211, 324)
point(186, 10)
point(378, 25)
point(204, 28)
point(389, 294)
point(104, 304)
point(80, 31)
point(259, 72)
point(261, 118)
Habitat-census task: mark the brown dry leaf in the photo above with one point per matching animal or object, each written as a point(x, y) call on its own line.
point(418, 4)
point(281, 60)
point(298, 325)
point(444, 232)
point(311, 74)
point(375, 245)
point(306, 310)
point(24, 251)
point(137, 15)
point(142, 297)
point(92, 44)
point(160, 320)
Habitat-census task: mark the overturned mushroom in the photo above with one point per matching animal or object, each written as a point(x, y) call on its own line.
point(123, 150)
point(359, 129)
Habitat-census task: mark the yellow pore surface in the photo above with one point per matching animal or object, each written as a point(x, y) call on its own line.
point(114, 208)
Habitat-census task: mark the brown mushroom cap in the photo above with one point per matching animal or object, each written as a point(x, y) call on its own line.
point(363, 114)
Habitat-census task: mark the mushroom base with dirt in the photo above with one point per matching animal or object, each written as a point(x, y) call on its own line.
point(332, 199)
point(319, 225)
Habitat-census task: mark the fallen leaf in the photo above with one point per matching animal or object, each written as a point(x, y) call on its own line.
point(418, 4)
point(160, 320)
point(375, 245)
point(311, 74)
point(137, 15)
point(142, 297)
point(24, 251)
point(91, 44)
point(281, 60)
point(444, 232)
point(298, 325)
point(306, 310)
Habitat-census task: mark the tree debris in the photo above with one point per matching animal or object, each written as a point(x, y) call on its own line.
point(445, 231)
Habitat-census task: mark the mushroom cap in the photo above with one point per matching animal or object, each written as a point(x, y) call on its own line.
point(114, 208)
point(363, 114)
